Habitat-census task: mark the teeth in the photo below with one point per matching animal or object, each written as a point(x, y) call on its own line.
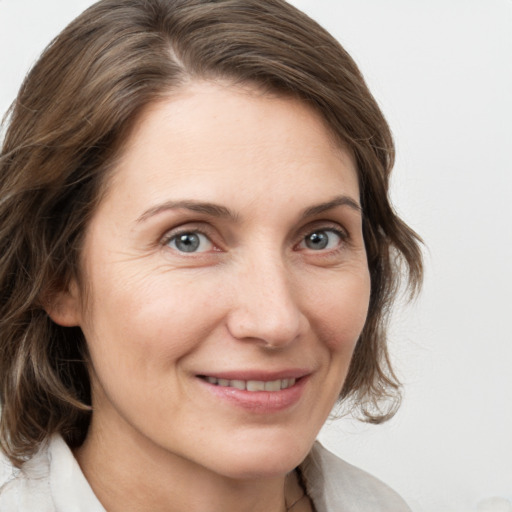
point(274, 385)
point(253, 385)
point(238, 384)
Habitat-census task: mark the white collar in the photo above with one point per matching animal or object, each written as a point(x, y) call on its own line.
point(70, 490)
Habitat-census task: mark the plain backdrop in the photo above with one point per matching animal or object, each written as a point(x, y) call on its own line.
point(442, 72)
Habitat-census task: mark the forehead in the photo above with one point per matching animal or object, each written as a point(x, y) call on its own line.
point(208, 137)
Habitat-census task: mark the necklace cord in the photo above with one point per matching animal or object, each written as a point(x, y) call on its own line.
point(302, 484)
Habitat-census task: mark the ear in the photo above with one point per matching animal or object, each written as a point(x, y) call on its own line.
point(63, 306)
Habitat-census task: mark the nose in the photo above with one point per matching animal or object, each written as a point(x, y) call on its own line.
point(265, 308)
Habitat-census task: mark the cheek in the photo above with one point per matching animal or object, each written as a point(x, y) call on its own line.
point(341, 307)
point(140, 321)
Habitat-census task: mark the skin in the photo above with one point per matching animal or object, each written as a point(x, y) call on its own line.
point(253, 296)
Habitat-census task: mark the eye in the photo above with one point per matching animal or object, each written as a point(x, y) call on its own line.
point(322, 239)
point(190, 241)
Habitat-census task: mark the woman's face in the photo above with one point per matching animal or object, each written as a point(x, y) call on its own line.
point(227, 282)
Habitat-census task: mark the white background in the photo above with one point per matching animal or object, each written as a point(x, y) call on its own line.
point(442, 72)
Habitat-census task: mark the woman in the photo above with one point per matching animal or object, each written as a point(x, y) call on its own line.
point(197, 257)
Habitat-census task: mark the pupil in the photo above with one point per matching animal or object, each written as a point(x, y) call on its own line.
point(187, 242)
point(317, 240)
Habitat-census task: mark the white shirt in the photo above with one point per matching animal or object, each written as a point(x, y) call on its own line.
point(52, 481)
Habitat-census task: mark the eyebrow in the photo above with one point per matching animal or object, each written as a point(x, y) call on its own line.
point(333, 203)
point(216, 210)
point(205, 208)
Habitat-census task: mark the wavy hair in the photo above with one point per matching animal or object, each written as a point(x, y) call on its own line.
point(65, 130)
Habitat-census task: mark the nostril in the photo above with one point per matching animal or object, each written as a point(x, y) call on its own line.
point(271, 329)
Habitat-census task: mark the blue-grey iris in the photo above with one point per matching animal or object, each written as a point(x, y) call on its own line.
point(187, 242)
point(317, 240)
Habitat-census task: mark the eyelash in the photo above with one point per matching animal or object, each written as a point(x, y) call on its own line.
point(340, 233)
point(343, 236)
point(174, 235)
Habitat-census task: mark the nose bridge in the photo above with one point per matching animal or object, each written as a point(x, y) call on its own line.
point(265, 307)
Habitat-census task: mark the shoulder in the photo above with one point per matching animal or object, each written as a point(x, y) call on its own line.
point(51, 481)
point(336, 485)
point(26, 489)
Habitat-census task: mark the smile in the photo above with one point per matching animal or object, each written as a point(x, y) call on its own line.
point(252, 385)
point(258, 392)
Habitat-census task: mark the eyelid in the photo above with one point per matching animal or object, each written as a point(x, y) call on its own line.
point(324, 225)
point(333, 227)
point(189, 228)
point(202, 240)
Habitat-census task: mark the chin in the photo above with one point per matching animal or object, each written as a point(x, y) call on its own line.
point(263, 458)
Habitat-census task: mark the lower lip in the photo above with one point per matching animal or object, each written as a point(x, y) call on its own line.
point(263, 402)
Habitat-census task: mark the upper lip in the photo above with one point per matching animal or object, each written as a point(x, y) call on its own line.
point(260, 375)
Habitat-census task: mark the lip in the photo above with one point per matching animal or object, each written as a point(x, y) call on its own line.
point(258, 402)
point(266, 376)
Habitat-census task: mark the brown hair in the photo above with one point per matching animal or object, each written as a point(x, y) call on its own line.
point(65, 130)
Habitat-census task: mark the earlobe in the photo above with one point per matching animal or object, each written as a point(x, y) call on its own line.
point(63, 306)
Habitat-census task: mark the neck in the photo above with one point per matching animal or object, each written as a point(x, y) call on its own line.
point(137, 476)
